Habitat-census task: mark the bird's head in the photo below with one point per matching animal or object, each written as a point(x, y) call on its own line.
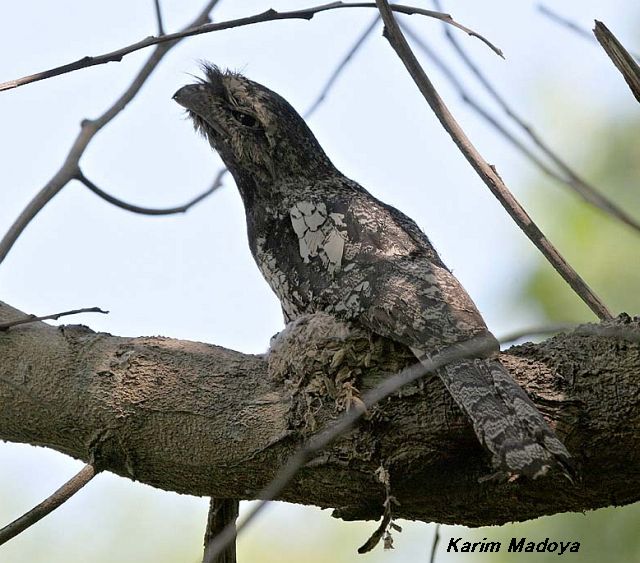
point(259, 136)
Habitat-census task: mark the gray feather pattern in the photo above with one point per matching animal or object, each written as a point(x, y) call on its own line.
point(324, 244)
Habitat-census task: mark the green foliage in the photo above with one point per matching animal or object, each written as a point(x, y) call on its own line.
point(604, 251)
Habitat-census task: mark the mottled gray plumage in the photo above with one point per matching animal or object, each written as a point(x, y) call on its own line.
point(323, 243)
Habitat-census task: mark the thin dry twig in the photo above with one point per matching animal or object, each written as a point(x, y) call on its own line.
point(70, 167)
point(217, 183)
point(620, 57)
point(434, 545)
point(469, 349)
point(48, 505)
point(158, 11)
point(544, 330)
point(473, 103)
point(568, 176)
point(342, 64)
point(200, 28)
point(33, 318)
point(375, 538)
point(617, 332)
point(557, 18)
point(487, 172)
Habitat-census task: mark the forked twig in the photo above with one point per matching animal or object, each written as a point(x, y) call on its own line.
point(474, 104)
point(487, 172)
point(70, 167)
point(200, 28)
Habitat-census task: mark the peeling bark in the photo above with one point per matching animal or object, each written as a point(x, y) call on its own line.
point(203, 420)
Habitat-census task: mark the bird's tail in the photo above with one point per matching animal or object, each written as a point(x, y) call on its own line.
point(504, 419)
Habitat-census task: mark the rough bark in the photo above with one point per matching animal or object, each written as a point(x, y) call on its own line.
point(202, 420)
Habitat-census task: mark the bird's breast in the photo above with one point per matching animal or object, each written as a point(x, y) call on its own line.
point(308, 257)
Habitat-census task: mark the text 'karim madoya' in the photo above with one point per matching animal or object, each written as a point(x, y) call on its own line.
point(516, 545)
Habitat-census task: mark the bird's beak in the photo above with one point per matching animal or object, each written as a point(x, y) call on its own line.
point(184, 94)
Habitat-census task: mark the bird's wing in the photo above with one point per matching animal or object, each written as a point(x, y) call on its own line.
point(413, 298)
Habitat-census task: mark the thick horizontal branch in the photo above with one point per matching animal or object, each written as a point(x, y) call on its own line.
point(203, 420)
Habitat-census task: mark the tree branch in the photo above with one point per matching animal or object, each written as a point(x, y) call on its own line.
point(217, 183)
point(222, 513)
point(71, 168)
point(157, 410)
point(544, 330)
point(54, 317)
point(487, 172)
point(474, 348)
point(582, 32)
point(341, 66)
point(568, 176)
point(37, 513)
point(269, 15)
point(620, 57)
point(158, 12)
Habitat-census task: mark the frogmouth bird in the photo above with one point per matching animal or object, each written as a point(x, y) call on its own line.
point(325, 244)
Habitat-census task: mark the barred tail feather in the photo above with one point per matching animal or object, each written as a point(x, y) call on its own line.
point(505, 420)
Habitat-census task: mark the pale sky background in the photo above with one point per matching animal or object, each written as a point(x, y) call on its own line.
point(191, 276)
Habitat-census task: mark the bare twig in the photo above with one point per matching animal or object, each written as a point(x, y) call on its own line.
point(149, 210)
point(341, 66)
point(535, 331)
point(474, 104)
point(469, 349)
point(222, 513)
point(33, 318)
point(158, 11)
point(200, 28)
point(620, 57)
point(487, 172)
point(217, 183)
point(618, 332)
point(375, 538)
point(48, 505)
point(568, 176)
point(70, 167)
point(627, 333)
point(434, 545)
point(553, 16)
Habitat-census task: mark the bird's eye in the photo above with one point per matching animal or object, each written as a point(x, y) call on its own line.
point(245, 119)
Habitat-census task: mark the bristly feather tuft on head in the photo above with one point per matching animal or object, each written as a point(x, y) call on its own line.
point(214, 77)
